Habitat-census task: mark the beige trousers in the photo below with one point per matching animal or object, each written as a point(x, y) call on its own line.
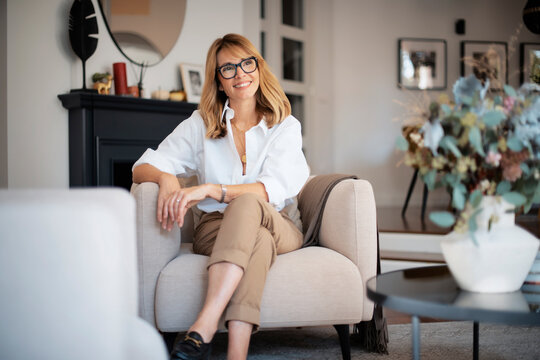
point(250, 233)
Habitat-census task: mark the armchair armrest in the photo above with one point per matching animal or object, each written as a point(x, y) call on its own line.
point(156, 247)
point(349, 226)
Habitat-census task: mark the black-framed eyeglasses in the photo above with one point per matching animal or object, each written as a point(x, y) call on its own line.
point(228, 71)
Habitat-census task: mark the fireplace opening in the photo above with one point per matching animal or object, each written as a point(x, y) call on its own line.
point(116, 158)
point(121, 173)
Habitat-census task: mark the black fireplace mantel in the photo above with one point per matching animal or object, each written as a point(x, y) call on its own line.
point(107, 134)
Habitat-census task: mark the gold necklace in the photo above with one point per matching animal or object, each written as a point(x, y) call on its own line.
point(241, 137)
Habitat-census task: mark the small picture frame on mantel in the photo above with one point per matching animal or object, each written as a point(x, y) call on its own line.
point(485, 59)
point(422, 64)
point(193, 81)
point(529, 60)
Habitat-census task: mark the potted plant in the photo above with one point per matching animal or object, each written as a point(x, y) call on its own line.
point(485, 150)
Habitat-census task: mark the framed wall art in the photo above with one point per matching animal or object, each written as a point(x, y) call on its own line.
point(529, 62)
point(193, 81)
point(485, 59)
point(422, 64)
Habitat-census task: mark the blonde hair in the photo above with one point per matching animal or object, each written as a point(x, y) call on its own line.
point(272, 103)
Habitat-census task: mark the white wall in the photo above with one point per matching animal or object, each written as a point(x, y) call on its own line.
point(3, 95)
point(38, 68)
point(41, 65)
point(365, 35)
point(320, 127)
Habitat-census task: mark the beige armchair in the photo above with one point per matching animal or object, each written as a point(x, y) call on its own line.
point(314, 286)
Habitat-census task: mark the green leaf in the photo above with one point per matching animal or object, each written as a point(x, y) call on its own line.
point(529, 147)
point(442, 218)
point(528, 187)
point(475, 198)
point(472, 235)
point(493, 118)
point(493, 147)
point(472, 230)
point(458, 198)
point(446, 109)
point(450, 179)
point(429, 179)
point(515, 198)
point(514, 144)
point(449, 143)
point(448, 139)
point(456, 126)
point(476, 140)
point(526, 169)
point(473, 226)
point(497, 100)
point(510, 91)
point(503, 187)
point(461, 113)
point(461, 187)
point(536, 197)
point(527, 207)
point(467, 100)
point(401, 143)
point(474, 215)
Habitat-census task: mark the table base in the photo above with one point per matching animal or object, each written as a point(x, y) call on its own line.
point(416, 338)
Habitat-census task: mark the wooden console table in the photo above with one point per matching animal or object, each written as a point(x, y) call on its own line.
point(108, 133)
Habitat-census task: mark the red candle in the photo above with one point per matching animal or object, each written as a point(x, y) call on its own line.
point(120, 80)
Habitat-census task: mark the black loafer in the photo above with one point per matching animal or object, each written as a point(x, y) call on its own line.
point(191, 348)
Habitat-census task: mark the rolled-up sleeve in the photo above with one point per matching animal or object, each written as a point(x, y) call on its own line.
point(285, 169)
point(177, 153)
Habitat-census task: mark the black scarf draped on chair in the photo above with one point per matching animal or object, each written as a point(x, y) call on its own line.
point(371, 335)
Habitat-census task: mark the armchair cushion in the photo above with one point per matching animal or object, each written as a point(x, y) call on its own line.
point(299, 291)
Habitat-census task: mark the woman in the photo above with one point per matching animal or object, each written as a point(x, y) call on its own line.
point(246, 150)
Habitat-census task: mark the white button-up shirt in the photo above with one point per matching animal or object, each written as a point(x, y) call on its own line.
point(274, 158)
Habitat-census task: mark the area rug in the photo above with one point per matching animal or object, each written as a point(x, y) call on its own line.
point(439, 341)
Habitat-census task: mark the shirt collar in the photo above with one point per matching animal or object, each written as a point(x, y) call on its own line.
point(262, 124)
point(228, 114)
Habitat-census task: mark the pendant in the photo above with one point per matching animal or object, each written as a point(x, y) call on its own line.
point(244, 159)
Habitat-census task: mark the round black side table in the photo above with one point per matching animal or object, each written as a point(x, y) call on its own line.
point(432, 292)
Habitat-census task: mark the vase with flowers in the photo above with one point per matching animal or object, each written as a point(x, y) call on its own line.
point(484, 148)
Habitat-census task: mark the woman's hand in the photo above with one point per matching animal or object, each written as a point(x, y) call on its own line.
point(168, 185)
point(180, 201)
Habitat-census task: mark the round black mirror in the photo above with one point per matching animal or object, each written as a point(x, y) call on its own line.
point(531, 16)
point(144, 31)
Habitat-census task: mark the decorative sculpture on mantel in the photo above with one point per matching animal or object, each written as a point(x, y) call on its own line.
point(102, 82)
point(83, 30)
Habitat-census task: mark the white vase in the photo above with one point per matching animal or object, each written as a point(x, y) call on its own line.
point(501, 260)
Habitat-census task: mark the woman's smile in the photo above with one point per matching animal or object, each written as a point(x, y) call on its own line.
point(242, 84)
